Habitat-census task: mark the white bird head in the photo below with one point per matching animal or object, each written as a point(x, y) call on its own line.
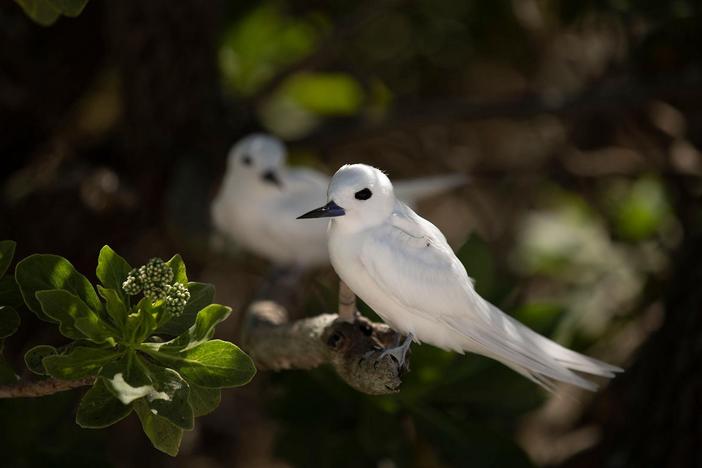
point(257, 159)
point(360, 196)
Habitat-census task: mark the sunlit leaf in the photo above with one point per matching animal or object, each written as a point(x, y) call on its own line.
point(43, 272)
point(214, 364)
point(203, 329)
point(76, 319)
point(176, 264)
point(112, 270)
point(79, 362)
point(116, 309)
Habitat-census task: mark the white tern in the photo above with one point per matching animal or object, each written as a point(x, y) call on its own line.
point(402, 267)
point(261, 196)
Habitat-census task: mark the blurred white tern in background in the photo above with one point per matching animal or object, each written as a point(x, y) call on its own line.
point(261, 196)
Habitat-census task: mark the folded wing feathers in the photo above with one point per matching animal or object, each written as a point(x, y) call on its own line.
point(532, 355)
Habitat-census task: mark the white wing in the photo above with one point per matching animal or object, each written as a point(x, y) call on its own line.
point(301, 179)
point(413, 190)
point(411, 261)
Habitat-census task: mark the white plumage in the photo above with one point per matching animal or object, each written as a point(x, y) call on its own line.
point(402, 267)
point(261, 196)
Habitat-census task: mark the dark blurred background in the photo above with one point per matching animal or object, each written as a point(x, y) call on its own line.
point(578, 122)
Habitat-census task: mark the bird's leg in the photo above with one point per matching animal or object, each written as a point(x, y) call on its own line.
point(399, 352)
point(347, 303)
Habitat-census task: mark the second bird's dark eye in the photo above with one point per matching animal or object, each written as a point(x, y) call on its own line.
point(246, 160)
point(364, 194)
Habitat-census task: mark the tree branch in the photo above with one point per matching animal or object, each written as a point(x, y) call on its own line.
point(28, 389)
point(350, 347)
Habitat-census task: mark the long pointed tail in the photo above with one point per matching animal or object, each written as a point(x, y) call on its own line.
point(538, 358)
point(413, 190)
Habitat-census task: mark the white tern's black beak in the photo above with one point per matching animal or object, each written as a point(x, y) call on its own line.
point(330, 210)
point(272, 178)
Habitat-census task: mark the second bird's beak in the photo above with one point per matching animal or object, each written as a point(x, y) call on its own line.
point(330, 210)
point(272, 178)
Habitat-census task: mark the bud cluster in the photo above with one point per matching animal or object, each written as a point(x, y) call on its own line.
point(177, 295)
point(155, 280)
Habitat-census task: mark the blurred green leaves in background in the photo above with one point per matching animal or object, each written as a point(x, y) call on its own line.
point(46, 12)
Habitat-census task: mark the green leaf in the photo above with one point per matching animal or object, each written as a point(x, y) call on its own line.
point(204, 400)
point(201, 295)
point(9, 321)
point(99, 408)
point(7, 251)
point(41, 11)
point(34, 358)
point(116, 309)
point(172, 402)
point(112, 271)
point(79, 362)
point(40, 272)
point(163, 434)
point(76, 320)
point(214, 364)
point(141, 323)
point(163, 389)
point(71, 8)
point(10, 294)
point(178, 267)
point(203, 329)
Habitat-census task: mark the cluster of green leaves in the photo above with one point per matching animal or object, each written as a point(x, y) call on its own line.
point(46, 12)
point(121, 343)
point(9, 318)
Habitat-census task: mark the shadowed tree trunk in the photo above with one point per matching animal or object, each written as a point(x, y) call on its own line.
point(651, 415)
point(175, 133)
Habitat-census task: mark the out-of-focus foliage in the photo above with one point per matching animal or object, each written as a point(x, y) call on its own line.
point(261, 43)
point(46, 12)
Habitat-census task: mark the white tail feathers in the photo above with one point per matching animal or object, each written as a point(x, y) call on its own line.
point(538, 358)
point(413, 190)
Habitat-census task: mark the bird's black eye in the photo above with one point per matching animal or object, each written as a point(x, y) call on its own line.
point(246, 160)
point(364, 194)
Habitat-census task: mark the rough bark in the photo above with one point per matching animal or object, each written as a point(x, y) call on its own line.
point(351, 347)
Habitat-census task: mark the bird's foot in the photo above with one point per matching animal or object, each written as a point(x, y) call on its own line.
point(399, 353)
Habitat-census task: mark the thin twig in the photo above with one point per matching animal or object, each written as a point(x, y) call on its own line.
point(347, 303)
point(30, 389)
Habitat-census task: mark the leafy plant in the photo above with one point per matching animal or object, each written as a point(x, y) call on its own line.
point(118, 342)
